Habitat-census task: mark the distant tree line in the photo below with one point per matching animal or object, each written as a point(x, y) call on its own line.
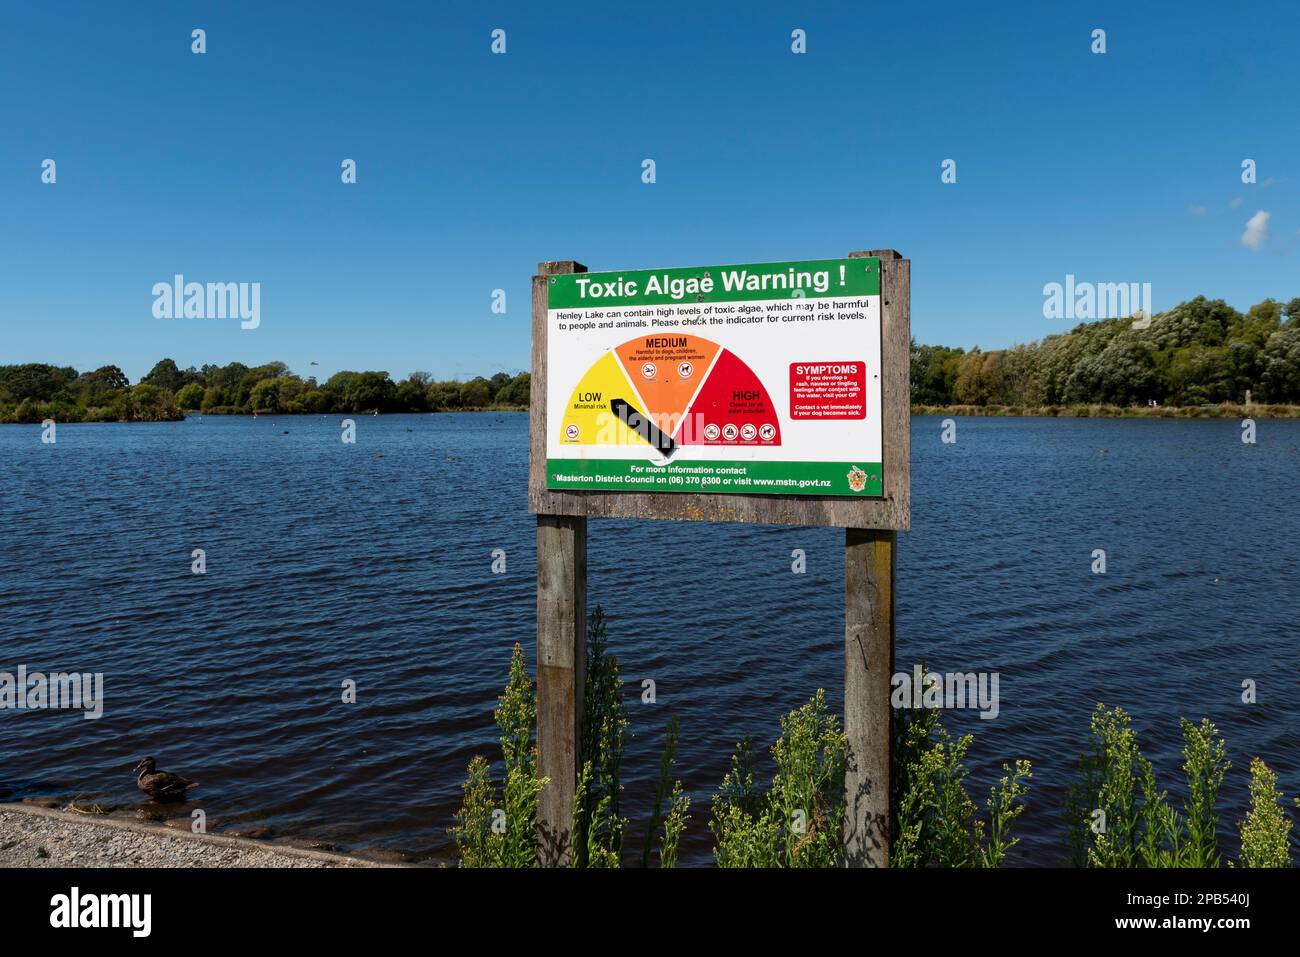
point(1199, 352)
point(36, 391)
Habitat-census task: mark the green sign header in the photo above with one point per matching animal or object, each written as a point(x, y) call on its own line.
point(812, 279)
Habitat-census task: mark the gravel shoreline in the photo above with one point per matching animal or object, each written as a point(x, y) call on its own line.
point(32, 836)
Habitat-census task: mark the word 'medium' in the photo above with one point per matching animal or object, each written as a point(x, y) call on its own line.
point(60, 690)
point(179, 299)
point(733, 280)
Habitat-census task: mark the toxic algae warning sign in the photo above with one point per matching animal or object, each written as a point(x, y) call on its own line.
point(748, 379)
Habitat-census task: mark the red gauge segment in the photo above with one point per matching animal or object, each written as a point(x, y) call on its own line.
point(732, 408)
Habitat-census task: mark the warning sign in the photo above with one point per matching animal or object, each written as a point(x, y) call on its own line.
point(761, 378)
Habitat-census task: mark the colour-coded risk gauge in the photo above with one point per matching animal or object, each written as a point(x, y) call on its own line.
point(667, 391)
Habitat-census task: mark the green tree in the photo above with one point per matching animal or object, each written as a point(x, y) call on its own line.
point(213, 397)
point(1199, 320)
point(443, 396)
point(1280, 375)
point(1268, 312)
point(314, 400)
point(226, 377)
point(190, 396)
point(412, 392)
point(146, 403)
point(979, 377)
point(1292, 310)
point(105, 377)
point(1122, 373)
point(27, 411)
point(476, 394)
point(164, 375)
point(369, 391)
point(515, 392)
point(266, 396)
point(34, 380)
point(934, 372)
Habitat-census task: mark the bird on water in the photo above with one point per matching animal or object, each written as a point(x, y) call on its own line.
point(160, 785)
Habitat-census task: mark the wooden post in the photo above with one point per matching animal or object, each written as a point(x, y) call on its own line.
point(561, 620)
point(869, 561)
point(868, 665)
point(561, 674)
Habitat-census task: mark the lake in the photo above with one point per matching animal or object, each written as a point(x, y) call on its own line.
point(373, 562)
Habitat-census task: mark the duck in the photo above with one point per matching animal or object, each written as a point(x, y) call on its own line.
point(160, 785)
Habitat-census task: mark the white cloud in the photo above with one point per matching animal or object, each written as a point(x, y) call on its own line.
point(1197, 210)
point(1256, 230)
point(1237, 202)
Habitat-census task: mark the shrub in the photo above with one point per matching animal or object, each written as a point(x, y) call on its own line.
point(1266, 833)
point(1113, 825)
point(598, 829)
point(936, 824)
point(499, 828)
point(678, 804)
point(1205, 763)
point(799, 821)
point(488, 834)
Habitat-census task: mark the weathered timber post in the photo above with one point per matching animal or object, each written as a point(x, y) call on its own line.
point(868, 665)
point(561, 673)
point(869, 562)
point(561, 622)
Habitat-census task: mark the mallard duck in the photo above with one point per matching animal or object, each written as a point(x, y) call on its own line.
point(160, 785)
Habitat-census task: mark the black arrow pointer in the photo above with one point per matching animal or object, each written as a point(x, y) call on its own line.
point(640, 423)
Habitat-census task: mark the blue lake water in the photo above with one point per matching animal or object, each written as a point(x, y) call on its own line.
point(373, 562)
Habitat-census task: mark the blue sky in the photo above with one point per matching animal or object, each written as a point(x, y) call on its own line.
point(1122, 167)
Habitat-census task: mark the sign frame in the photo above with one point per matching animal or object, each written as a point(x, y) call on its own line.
point(890, 511)
point(871, 527)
